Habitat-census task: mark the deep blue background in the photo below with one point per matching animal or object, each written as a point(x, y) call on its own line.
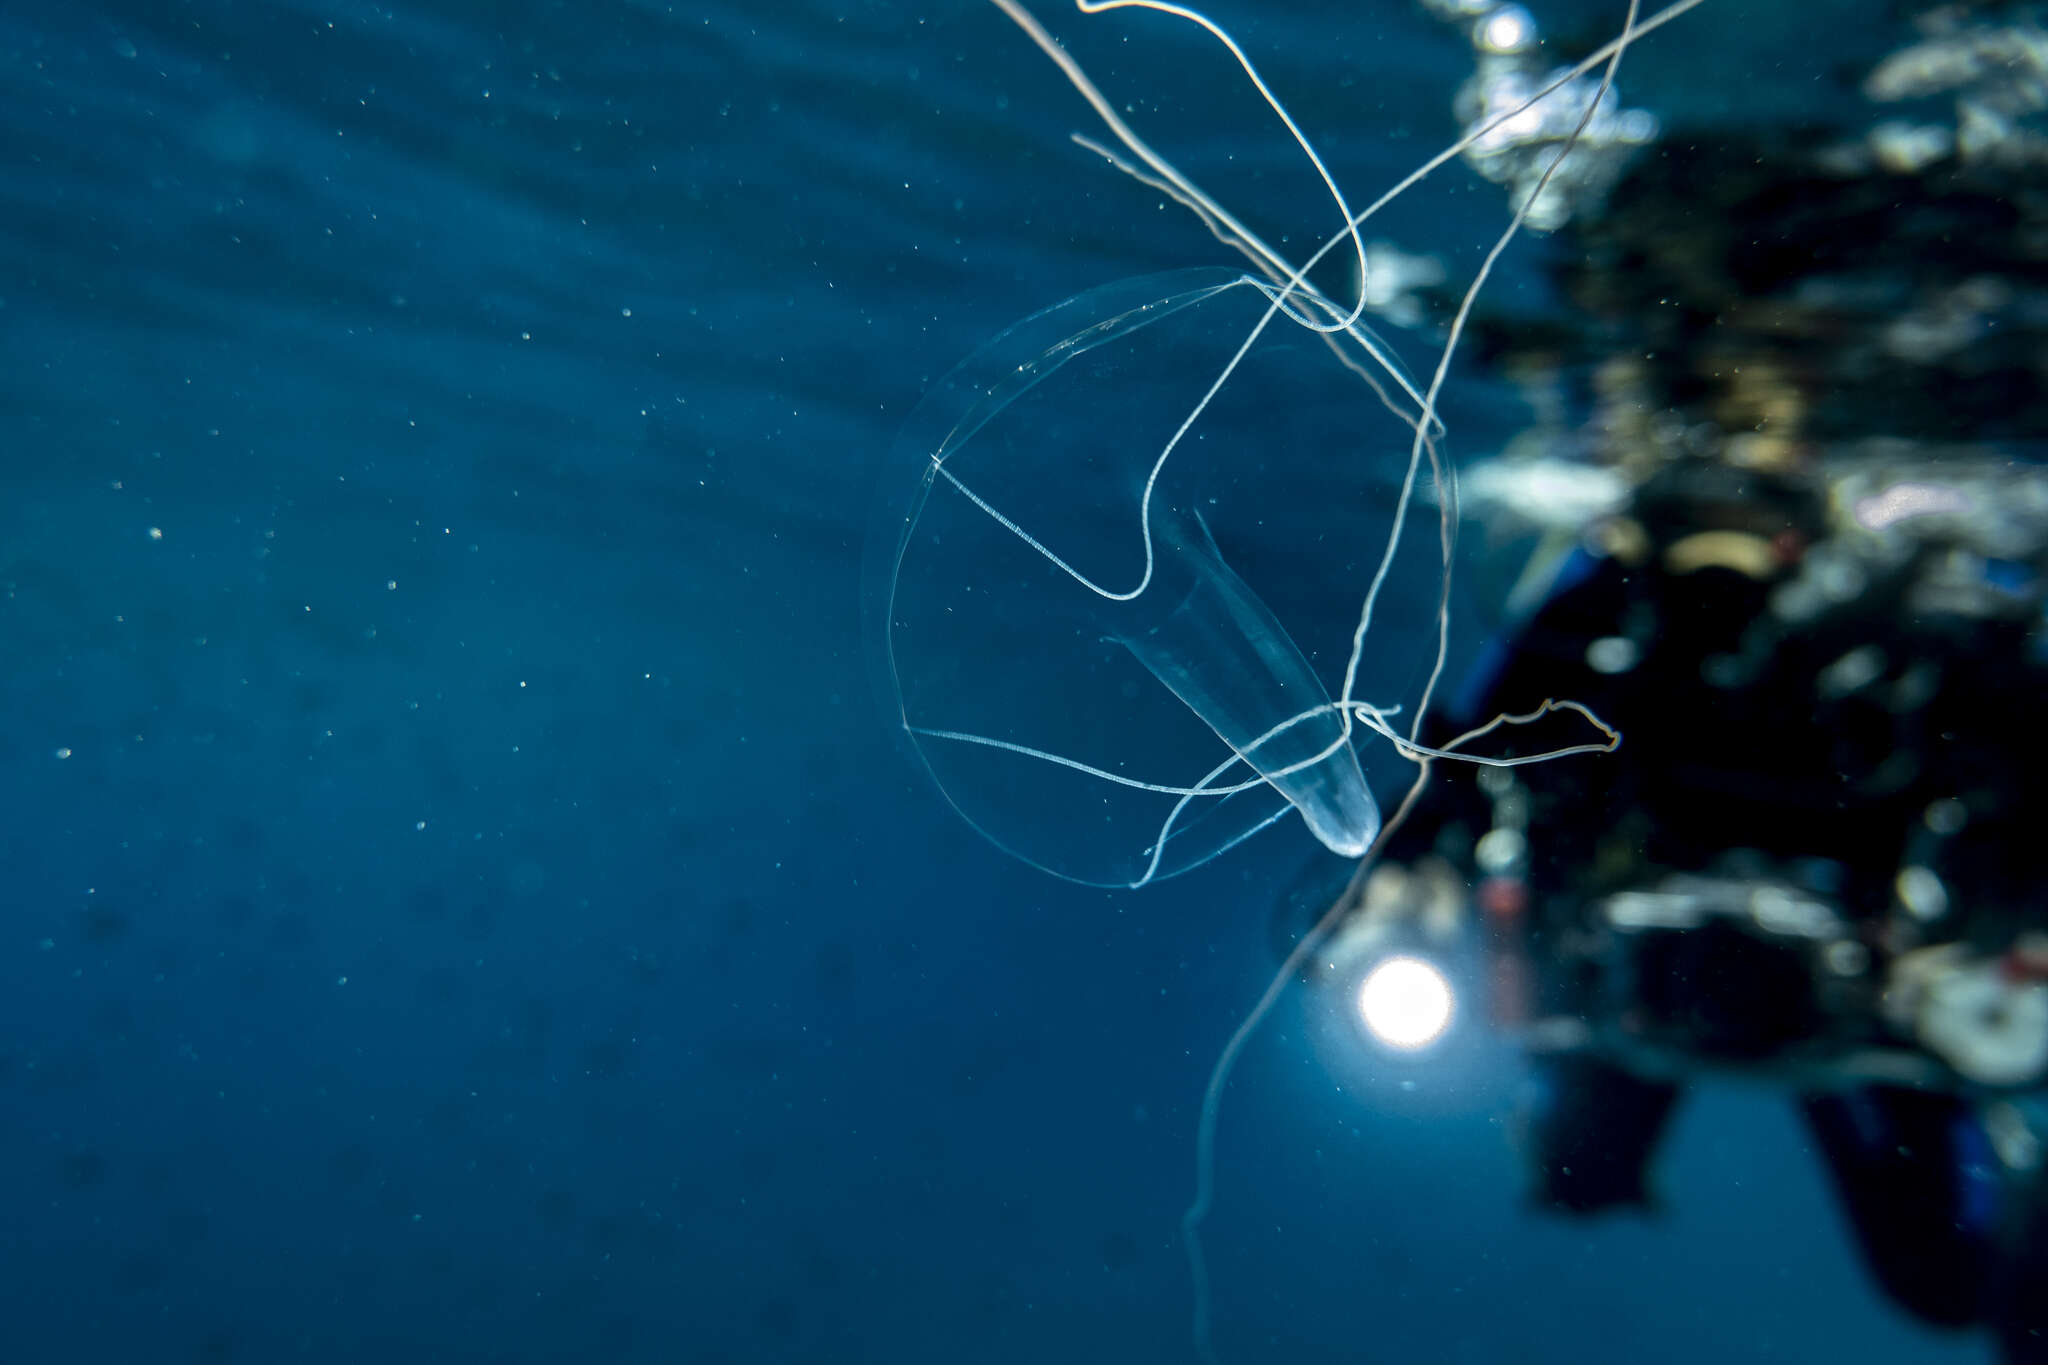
point(457, 897)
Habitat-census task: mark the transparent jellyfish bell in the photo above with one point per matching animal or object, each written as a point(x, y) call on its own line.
point(1114, 684)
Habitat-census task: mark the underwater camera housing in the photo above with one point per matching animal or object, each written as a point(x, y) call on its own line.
point(1746, 969)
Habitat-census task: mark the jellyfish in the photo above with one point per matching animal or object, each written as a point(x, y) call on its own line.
point(1126, 583)
point(1057, 623)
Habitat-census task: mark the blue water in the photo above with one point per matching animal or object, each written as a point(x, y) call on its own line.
point(461, 902)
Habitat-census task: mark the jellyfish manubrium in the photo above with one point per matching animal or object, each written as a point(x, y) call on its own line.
point(1062, 583)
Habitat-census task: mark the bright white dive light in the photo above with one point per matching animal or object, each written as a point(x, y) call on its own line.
point(1405, 1002)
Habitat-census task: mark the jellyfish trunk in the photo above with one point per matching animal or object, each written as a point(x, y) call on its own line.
point(1223, 652)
